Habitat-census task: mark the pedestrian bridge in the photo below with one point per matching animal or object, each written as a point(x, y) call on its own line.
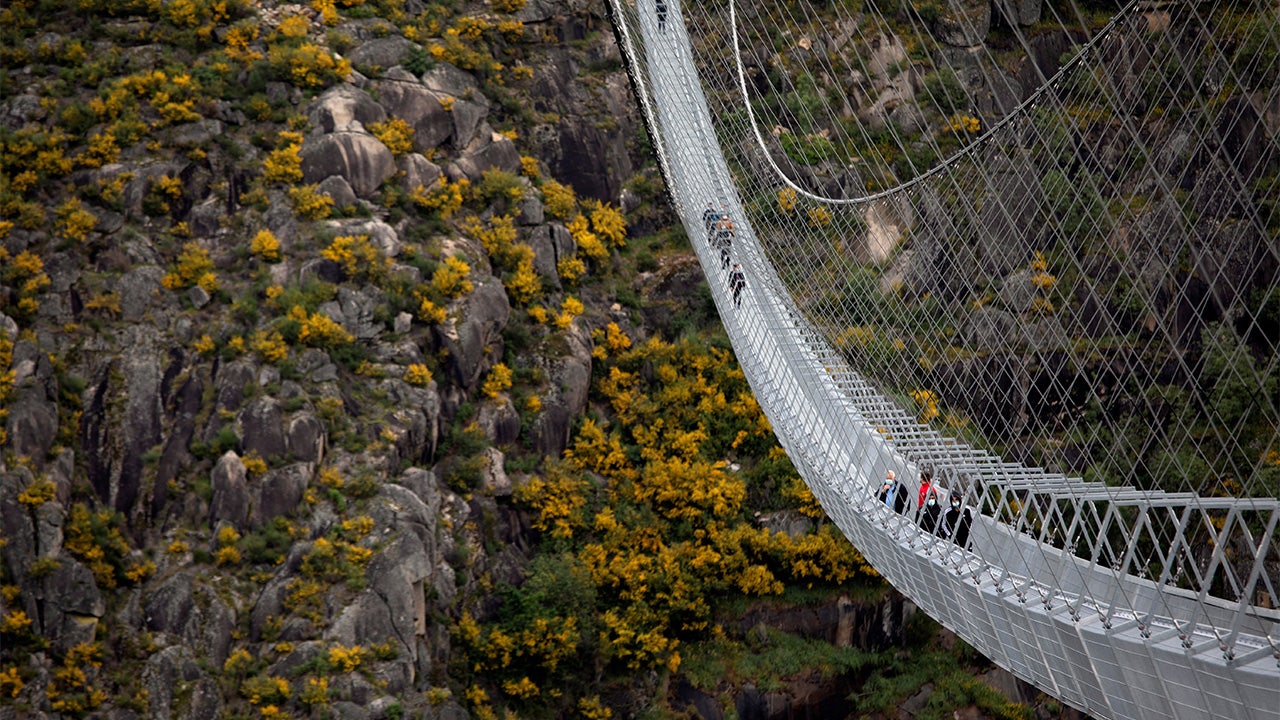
point(1037, 258)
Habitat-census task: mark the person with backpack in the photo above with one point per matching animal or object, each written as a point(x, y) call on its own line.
point(737, 281)
point(710, 219)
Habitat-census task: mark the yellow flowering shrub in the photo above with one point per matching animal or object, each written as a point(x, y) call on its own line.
point(418, 375)
point(609, 340)
point(452, 278)
point(571, 308)
point(395, 133)
point(571, 269)
point(293, 26)
point(265, 245)
point(608, 222)
point(11, 682)
point(787, 200)
point(559, 498)
point(559, 200)
point(359, 259)
point(102, 150)
point(265, 690)
point(307, 65)
point(319, 330)
point(204, 345)
point(498, 237)
point(529, 167)
point(194, 267)
point(347, 659)
point(284, 164)
point(254, 464)
point(443, 198)
point(309, 203)
point(497, 382)
point(524, 285)
point(588, 242)
point(315, 693)
point(430, 312)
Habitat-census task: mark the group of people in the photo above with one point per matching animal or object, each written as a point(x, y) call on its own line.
point(720, 235)
point(953, 524)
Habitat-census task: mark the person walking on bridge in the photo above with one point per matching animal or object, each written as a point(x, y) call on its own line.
point(956, 522)
point(710, 219)
point(893, 493)
point(737, 281)
point(660, 8)
point(931, 515)
point(724, 239)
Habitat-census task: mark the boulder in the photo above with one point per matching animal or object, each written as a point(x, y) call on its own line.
point(421, 108)
point(32, 423)
point(789, 522)
point(1018, 291)
point(71, 605)
point(530, 209)
point(382, 53)
point(545, 257)
point(230, 501)
point(193, 135)
point(450, 80)
point(493, 478)
point(1005, 242)
point(262, 423)
point(338, 190)
point(136, 289)
point(122, 418)
point(494, 151)
point(355, 310)
point(205, 219)
point(1232, 259)
point(1024, 13)
point(165, 672)
point(381, 235)
point(362, 160)
point(345, 108)
point(232, 379)
point(570, 379)
point(306, 438)
point(474, 334)
point(423, 483)
point(963, 23)
point(279, 493)
point(418, 172)
point(499, 421)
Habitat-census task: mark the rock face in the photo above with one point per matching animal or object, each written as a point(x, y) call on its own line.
point(230, 501)
point(122, 419)
point(484, 316)
point(360, 159)
point(345, 108)
point(422, 108)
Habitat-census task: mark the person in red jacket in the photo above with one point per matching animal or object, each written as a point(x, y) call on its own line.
point(926, 484)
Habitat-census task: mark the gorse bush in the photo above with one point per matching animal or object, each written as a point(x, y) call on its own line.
point(194, 267)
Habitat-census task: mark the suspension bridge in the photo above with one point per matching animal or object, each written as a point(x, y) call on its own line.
point(1028, 252)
